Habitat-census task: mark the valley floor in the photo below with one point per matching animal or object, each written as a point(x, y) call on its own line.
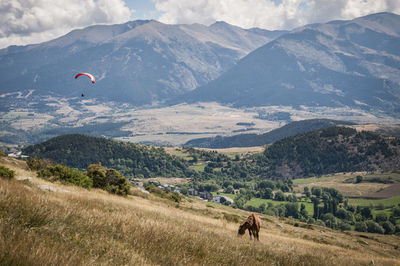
point(32, 118)
point(44, 223)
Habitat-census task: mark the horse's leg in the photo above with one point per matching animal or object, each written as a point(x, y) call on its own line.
point(250, 233)
point(257, 236)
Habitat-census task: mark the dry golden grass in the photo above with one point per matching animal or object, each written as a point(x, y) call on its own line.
point(95, 228)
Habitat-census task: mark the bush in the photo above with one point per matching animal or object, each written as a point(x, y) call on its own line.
point(344, 215)
point(330, 220)
point(366, 212)
point(165, 194)
point(37, 164)
point(361, 227)
point(108, 179)
point(396, 211)
point(231, 217)
point(229, 190)
point(373, 227)
point(381, 217)
point(292, 210)
point(397, 229)
point(279, 196)
point(388, 227)
point(344, 226)
point(67, 175)
point(6, 173)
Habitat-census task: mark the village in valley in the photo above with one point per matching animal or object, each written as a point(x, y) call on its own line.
point(191, 192)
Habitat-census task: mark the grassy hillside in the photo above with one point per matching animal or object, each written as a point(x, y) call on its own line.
point(75, 226)
point(252, 140)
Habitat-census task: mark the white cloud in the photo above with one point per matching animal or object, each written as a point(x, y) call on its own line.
point(269, 14)
point(31, 21)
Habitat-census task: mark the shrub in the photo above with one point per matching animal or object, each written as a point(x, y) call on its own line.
point(373, 227)
point(108, 179)
point(366, 212)
point(279, 196)
point(330, 220)
point(166, 194)
point(67, 175)
point(344, 215)
point(344, 226)
point(6, 173)
point(229, 190)
point(388, 227)
point(397, 229)
point(231, 217)
point(38, 164)
point(396, 211)
point(361, 227)
point(381, 217)
point(292, 209)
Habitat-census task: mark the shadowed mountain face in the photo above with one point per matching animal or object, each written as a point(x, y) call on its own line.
point(342, 63)
point(139, 62)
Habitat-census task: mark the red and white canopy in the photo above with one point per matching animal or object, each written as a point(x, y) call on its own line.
point(88, 75)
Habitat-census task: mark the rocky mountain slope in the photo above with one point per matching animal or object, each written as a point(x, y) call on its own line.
point(139, 62)
point(352, 63)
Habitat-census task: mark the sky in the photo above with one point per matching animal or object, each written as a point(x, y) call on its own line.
point(25, 22)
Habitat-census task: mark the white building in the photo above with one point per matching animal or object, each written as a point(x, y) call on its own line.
point(222, 199)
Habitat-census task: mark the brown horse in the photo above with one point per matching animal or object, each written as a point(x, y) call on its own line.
point(253, 224)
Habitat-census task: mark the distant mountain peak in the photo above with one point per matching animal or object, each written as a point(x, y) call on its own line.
point(141, 61)
point(353, 64)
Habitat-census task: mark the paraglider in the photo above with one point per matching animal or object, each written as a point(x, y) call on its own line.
point(88, 75)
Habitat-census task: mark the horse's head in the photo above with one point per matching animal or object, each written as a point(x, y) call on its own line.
point(242, 229)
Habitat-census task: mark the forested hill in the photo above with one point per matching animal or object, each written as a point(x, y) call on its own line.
point(251, 140)
point(331, 150)
point(79, 151)
point(324, 151)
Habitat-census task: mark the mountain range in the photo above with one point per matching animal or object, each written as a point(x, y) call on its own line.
point(353, 63)
point(344, 70)
point(140, 62)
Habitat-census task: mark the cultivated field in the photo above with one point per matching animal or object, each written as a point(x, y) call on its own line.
point(345, 183)
point(66, 225)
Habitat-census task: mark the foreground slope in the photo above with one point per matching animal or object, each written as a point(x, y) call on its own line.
point(73, 226)
point(351, 63)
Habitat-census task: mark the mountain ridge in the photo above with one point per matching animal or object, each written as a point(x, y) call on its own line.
point(340, 63)
point(250, 140)
point(142, 61)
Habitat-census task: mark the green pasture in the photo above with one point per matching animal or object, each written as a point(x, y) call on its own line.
point(179, 153)
point(256, 202)
point(198, 167)
point(312, 180)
